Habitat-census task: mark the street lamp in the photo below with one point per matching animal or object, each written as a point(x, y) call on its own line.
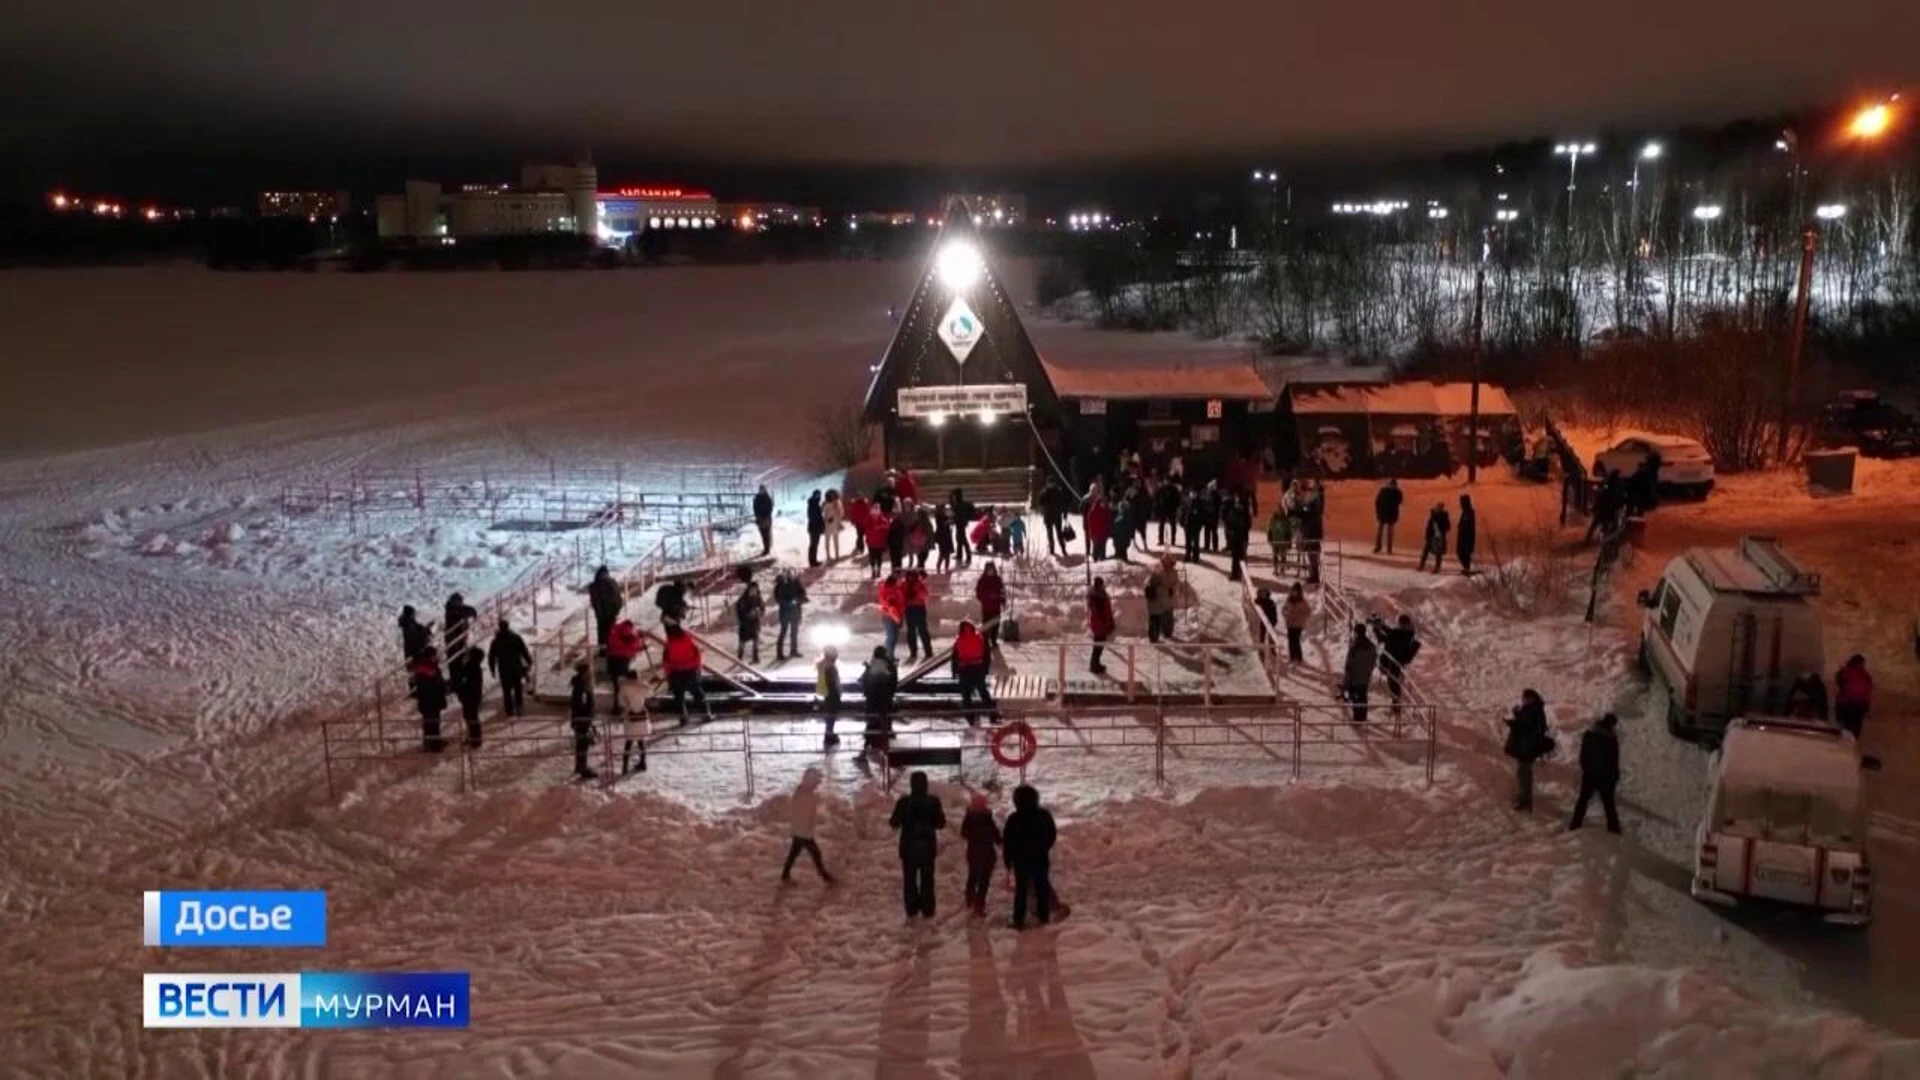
point(958, 265)
point(1271, 178)
point(1573, 153)
point(1708, 212)
point(1830, 211)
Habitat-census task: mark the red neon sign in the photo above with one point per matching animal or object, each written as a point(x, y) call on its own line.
point(660, 193)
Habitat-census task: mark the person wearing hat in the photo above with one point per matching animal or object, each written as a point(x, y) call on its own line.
point(580, 713)
point(1161, 587)
point(982, 835)
point(1599, 771)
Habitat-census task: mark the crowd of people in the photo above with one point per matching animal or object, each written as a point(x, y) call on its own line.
point(463, 679)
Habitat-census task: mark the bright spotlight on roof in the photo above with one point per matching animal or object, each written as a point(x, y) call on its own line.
point(958, 265)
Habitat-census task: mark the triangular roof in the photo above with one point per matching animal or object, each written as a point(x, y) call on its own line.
point(917, 357)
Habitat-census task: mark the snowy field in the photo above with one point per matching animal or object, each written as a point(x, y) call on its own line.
point(171, 642)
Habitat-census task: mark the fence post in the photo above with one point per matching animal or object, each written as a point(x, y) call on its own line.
point(1160, 746)
point(607, 775)
point(1130, 678)
point(380, 716)
point(1063, 687)
point(419, 492)
point(1296, 742)
point(1206, 671)
point(746, 744)
point(326, 751)
point(1433, 741)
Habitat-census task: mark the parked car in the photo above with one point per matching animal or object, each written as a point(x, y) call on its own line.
point(1785, 821)
point(1862, 419)
point(1727, 631)
point(1685, 466)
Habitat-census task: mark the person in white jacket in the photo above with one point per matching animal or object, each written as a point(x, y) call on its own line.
point(803, 810)
point(631, 697)
point(833, 511)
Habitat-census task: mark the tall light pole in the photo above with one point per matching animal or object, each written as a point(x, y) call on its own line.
point(1868, 125)
point(1573, 152)
point(1649, 152)
point(1271, 177)
point(1473, 399)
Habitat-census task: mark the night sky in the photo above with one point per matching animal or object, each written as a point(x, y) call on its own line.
point(229, 94)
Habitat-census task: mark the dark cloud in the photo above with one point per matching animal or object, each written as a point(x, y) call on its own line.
point(988, 83)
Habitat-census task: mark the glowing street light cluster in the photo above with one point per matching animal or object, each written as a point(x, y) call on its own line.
point(1707, 212)
point(1504, 214)
point(1378, 209)
point(683, 222)
point(1830, 211)
point(1093, 220)
point(958, 265)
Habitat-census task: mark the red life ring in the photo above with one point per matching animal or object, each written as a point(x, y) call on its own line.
point(1028, 744)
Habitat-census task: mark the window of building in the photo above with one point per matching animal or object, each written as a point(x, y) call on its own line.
point(1669, 603)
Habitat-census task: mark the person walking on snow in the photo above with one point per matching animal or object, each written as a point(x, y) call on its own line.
point(963, 515)
point(1527, 742)
point(859, 513)
point(1017, 534)
point(918, 818)
point(630, 696)
point(1852, 694)
point(460, 617)
point(1269, 612)
point(416, 637)
point(943, 537)
point(1192, 517)
point(1398, 647)
point(914, 594)
point(826, 687)
point(1466, 534)
point(468, 679)
point(747, 611)
point(789, 600)
point(879, 526)
point(1027, 842)
point(1166, 511)
point(1122, 527)
point(803, 816)
point(1279, 535)
point(897, 539)
point(580, 715)
point(624, 646)
point(891, 595)
point(878, 683)
point(1434, 541)
point(1099, 528)
point(1100, 624)
point(1599, 772)
point(763, 518)
point(509, 659)
point(1210, 516)
point(971, 665)
point(991, 591)
point(983, 849)
point(1053, 514)
point(429, 692)
point(605, 598)
point(816, 527)
point(833, 513)
point(681, 660)
point(1296, 611)
point(1161, 588)
point(906, 485)
point(1807, 697)
point(1357, 676)
point(1386, 514)
point(1236, 518)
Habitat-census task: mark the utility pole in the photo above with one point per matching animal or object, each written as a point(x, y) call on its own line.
point(1790, 386)
point(1473, 401)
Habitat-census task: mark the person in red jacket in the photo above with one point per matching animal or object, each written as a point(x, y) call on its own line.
point(905, 486)
point(992, 594)
point(892, 597)
point(971, 664)
point(980, 534)
point(1852, 694)
point(879, 523)
point(1099, 527)
point(858, 510)
point(624, 645)
point(919, 634)
point(681, 659)
point(1099, 622)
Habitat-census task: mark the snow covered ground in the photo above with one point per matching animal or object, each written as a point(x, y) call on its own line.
point(158, 719)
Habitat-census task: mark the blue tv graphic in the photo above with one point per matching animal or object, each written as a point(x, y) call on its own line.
point(237, 919)
point(310, 999)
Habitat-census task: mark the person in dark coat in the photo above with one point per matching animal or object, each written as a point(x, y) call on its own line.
point(1313, 528)
point(1807, 698)
point(1434, 542)
point(605, 597)
point(1236, 519)
point(1608, 506)
point(671, 599)
point(816, 527)
point(1466, 534)
point(896, 541)
point(1599, 771)
point(466, 675)
point(1193, 517)
point(1053, 513)
point(943, 538)
point(580, 715)
point(963, 515)
point(878, 683)
point(763, 518)
point(1398, 647)
point(1356, 678)
point(460, 617)
point(991, 592)
point(1027, 843)
point(1166, 511)
point(1100, 622)
point(1527, 742)
point(983, 849)
point(416, 637)
point(1210, 516)
point(1386, 514)
point(919, 818)
point(509, 659)
point(747, 612)
point(429, 690)
point(789, 600)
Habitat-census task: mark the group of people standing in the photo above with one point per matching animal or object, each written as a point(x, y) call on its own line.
point(1023, 844)
point(464, 679)
point(1144, 509)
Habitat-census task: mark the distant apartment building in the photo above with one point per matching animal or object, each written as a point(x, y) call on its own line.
point(312, 205)
point(625, 212)
point(548, 199)
point(991, 211)
point(752, 216)
point(884, 218)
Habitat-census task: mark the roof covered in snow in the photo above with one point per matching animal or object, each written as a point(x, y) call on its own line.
point(1226, 379)
point(1398, 399)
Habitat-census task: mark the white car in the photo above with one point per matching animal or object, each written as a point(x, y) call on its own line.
point(1685, 465)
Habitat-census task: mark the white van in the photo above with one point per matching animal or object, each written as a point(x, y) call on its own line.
point(1785, 820)
point(1726, 633)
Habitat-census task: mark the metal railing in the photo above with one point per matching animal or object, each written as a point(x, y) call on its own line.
point(1281, 733)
